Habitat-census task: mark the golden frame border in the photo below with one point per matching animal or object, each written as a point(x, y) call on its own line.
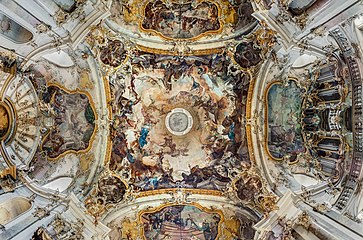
point(157, 33)
point(196, 52)
point(248, 126)
point(148, 193)
point(11, 117)
point(109, 146)
point(15, 117)
point(197, 205)
point(92, 104)
point(8, 138)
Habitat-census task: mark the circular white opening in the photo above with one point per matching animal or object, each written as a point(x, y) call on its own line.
point(179, 121)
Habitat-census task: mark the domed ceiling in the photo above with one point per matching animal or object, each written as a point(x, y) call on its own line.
point(194, 119)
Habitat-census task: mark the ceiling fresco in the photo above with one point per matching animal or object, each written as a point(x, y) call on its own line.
point(302, 130)
point(181, 20)
point(177, 222)
point(161, 159)
point(283, 126)
point(178, 122)
point(178, 21)
point(194, 119)
point(66, 137)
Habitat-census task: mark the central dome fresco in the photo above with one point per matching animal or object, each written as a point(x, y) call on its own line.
point(179, 105)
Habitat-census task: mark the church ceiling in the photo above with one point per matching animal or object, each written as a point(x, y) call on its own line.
point(178, 119)
point(186, 20)
point(182, 120)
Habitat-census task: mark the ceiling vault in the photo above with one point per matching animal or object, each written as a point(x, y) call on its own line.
point(181, 119)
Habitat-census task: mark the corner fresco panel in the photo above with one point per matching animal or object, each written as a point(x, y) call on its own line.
point(73, 124)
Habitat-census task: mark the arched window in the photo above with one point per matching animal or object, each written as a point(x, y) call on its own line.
point(13, 208)
point(13, 31)
point(66, 5)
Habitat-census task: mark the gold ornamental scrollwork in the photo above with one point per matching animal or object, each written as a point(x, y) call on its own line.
point(265, 38)
point(258, 196)
point(191, 52)
point(97, 202)
point(175, 190)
